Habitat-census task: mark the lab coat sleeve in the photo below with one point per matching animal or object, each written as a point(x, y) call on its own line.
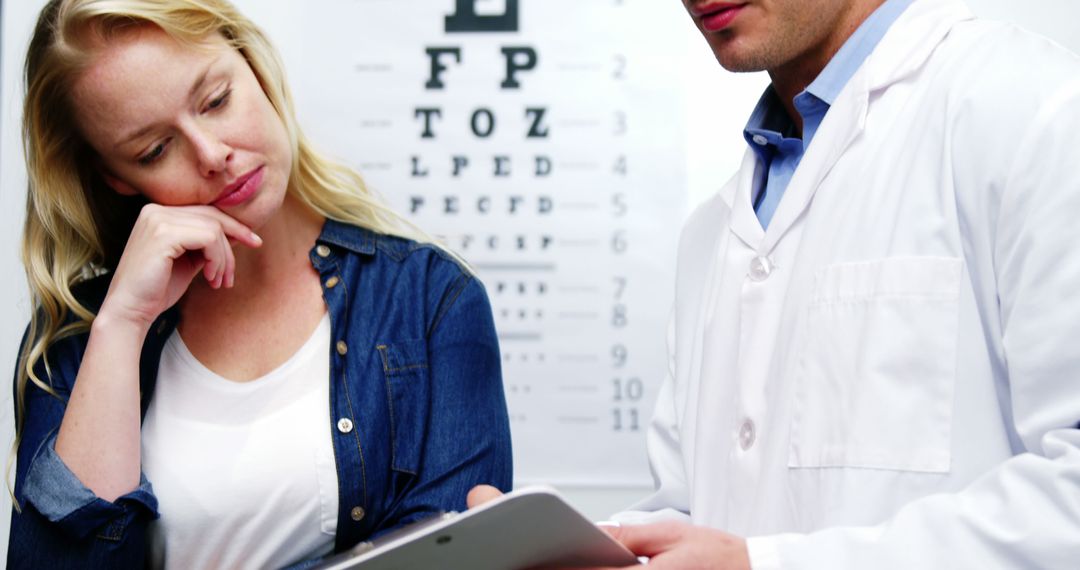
point(670, 500)
point(1025, 513)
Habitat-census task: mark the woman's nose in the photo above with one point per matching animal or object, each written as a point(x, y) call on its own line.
point(212, 153)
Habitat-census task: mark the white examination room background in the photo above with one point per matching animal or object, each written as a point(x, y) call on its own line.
point(556, 144)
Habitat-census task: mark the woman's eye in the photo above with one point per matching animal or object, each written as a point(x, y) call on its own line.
point(219, 101)
point(155, 153)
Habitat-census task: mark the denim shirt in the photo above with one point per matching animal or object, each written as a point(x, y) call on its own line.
point(416, 401)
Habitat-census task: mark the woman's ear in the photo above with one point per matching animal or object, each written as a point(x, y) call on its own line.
point(118, 186)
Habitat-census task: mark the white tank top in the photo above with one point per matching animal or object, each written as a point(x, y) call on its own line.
point(244, 472)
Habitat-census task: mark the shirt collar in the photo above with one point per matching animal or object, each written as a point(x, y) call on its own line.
point(769, 116)
point(770, 126)
point(353, 238)
point(856, 49)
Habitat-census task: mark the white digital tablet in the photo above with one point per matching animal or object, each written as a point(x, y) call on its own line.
point(530, 527)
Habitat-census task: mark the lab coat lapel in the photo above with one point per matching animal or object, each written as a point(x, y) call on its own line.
point(918, 32)
point(898, 55)
point(842, 125)
point(744, 222)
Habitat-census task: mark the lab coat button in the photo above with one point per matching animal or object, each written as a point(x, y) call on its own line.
point(747, 434)
point(760, 268)
point(344, 425)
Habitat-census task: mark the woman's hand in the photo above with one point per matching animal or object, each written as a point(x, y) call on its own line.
point(481, 494)
point(168, 246)
point(99, 437)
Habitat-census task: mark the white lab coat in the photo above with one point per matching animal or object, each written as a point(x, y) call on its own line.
point(889, 377)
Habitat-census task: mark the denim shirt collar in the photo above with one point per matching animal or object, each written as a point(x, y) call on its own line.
point(347, 236)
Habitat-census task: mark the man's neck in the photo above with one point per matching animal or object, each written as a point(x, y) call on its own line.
point(792, 77)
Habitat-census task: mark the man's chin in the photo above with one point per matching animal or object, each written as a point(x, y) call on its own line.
point(734, 56)
point(737, 65)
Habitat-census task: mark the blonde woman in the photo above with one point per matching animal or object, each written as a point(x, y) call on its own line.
point(238, 357)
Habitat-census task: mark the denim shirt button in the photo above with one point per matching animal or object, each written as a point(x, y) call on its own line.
point(332, 282)
point(344, 425)
point(322, 250)
point(342, 348)
point(357, 513)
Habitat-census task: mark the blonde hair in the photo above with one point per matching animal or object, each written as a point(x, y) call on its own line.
point(76, 227)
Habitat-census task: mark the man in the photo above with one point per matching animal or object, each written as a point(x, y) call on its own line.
point(872, 350)
point(873, 361)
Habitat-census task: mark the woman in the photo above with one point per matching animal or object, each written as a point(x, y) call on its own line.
point(206, 284)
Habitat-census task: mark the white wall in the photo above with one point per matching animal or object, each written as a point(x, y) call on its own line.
point(709, 167)
point(13, 313)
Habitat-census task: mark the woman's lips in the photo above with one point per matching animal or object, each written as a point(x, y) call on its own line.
point(716, 17)
point(241, 190)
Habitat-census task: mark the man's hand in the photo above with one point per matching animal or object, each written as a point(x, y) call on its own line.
point(671, 545)
point(668, 545)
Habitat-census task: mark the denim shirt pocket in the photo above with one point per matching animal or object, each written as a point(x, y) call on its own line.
point(405, 369)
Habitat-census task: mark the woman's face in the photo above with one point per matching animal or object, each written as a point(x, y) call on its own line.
point(184, 125)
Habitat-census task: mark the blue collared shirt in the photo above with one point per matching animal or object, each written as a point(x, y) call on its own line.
point(770, 132)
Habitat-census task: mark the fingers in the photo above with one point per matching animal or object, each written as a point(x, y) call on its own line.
point(648, 539)
point(203, 238)
point(230, 269)
point(574, 568)
point(230, 230)
point(481, 494)
point(226, 275)
point(231, 227)
point(167, 247)
point(611, 528)
point(206, 230)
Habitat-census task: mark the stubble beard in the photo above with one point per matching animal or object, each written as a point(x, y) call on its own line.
point(738, 58)
point(780, 47)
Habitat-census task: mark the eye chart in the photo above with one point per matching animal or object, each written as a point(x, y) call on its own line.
point(543, 141)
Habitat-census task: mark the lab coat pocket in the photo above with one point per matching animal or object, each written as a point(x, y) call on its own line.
point(877, 373)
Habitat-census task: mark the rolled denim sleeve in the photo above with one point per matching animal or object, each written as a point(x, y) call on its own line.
point(57, 521)
point(467, 442)
point(61, 498)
